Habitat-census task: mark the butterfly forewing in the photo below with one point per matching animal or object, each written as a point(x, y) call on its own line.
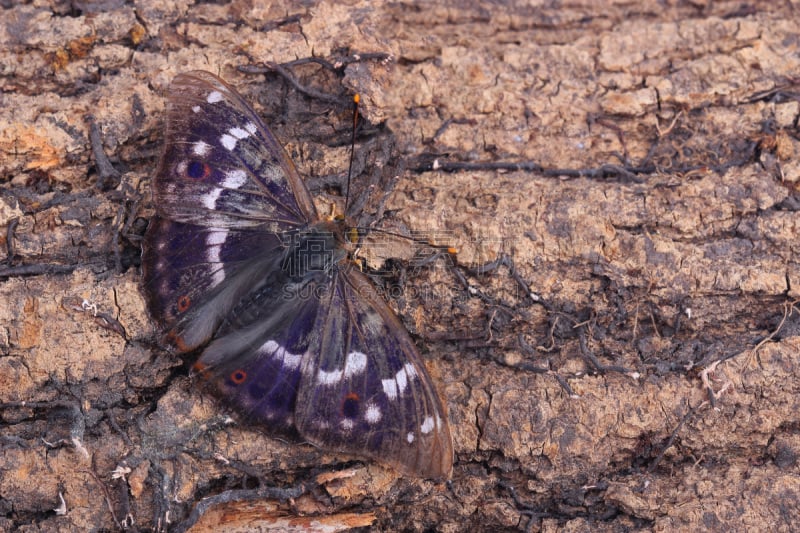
point(367, 390)
point(221, 165)
point(237, 259)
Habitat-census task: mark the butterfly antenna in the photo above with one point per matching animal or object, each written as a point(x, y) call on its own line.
point(356, 100)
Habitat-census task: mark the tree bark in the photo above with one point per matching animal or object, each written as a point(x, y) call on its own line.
point(626, 174)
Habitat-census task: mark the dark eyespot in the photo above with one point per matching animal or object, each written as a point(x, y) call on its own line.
point(184, 303)
point(237, 377)
point(350, 405)
point(197, 170)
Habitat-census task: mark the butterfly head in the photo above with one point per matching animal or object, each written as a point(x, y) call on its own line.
point(349, 232)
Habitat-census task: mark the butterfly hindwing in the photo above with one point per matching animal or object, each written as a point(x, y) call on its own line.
point(257, 367)
point(184, 264)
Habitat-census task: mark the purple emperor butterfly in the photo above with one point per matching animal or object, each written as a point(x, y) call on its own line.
point(238, 262)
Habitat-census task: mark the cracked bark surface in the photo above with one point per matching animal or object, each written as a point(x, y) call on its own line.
point(652, 386)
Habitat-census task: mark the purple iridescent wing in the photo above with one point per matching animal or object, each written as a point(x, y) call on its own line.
point(221, 166)
point(223, 191)
point(255, 361)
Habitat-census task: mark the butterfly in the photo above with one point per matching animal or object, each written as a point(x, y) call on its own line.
point(237, 262)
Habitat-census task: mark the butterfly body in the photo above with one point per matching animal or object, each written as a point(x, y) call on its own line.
point(238, 263)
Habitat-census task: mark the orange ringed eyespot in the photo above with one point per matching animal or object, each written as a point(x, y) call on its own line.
point(350, 405)
point(197, 170)
point(184, 302)
point(238, 376)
